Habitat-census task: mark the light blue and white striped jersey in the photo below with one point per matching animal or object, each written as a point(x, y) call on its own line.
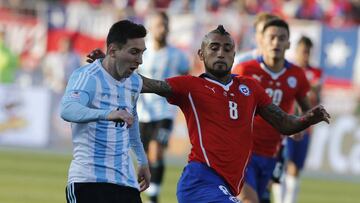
point(160, 64)
point(101, 150)
point(245, 56)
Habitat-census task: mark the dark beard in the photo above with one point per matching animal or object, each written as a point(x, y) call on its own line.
point(218, 73)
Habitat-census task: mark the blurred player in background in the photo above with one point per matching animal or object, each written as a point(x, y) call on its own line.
point(156, 115)
point(297, 150)
point(260, 20)
point(259, 23)
point(100, 102)
point(285, 83)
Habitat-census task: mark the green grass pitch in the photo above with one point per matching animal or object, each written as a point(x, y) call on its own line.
point(36, 177)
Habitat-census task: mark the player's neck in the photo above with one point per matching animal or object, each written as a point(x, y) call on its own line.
point(274, 64)
point(110, 68)
point(302, 64)
point(223, 80)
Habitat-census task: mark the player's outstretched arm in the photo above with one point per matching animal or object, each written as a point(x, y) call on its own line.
point(290, 124)
point(159, 87)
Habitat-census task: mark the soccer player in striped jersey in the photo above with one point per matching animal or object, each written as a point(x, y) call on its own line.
point(285, 83)
point(297, 150)
point(100, 102)
point(219, 109)
point(161, 60)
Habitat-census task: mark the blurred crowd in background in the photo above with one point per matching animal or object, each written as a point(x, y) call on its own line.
point(37, 34)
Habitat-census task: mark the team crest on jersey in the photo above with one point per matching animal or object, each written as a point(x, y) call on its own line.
point(244, 90)
point(292, 82)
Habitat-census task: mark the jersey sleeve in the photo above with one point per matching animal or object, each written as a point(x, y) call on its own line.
point(304, 85)
point(136, 144)
point(78, 95)
point(238, 69)
point(179, 87)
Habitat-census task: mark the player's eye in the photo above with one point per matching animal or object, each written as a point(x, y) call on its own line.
point(228, 48)
point(134, 51)
point(214, 48)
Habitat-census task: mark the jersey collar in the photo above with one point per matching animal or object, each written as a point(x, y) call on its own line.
point(209, 78)
point(274, 76)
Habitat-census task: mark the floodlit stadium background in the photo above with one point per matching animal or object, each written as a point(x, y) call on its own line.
point(34, 32)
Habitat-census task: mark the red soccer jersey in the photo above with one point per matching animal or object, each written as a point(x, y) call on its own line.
point(219, 119)
point(284, 88)
point(314, 76)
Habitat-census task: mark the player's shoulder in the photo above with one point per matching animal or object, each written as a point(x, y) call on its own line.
point(176, 51)
point(184, 78)
point(90, 69)
point(245, 80)
point(315, 70)
point(294, 68)
point(245, 66)
point(250, 63)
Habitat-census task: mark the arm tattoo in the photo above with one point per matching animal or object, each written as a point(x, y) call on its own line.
point(273, 114)
point(283, 122)
point(159, 87)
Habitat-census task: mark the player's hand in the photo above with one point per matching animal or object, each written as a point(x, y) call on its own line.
point(144, 177)
point(316, 115)
point(121, 116)
point(95, 54)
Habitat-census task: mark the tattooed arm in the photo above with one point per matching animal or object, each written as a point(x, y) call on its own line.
point(159, 87)
point(290, 124)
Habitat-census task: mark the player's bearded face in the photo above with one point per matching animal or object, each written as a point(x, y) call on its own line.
point(218, 69)
point(218, 55)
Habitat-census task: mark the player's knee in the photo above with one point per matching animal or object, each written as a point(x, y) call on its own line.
point(292, 169)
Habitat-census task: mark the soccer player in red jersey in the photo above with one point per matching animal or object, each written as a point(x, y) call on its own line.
point(219, 109)
point(296, 150)
point(285, 83)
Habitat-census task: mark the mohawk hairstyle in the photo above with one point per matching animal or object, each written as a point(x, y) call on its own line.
point(220, 30)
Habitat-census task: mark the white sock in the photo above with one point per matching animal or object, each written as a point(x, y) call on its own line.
point(292, 187)
point(153, 189)
point(276, 189)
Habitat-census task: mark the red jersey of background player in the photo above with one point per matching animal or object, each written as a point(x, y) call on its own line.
point(314, 76)
point(219, 119)
point(284, 88)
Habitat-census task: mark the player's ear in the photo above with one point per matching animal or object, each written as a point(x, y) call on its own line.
point(111, 50)
point(288, 45)
point(201, 54)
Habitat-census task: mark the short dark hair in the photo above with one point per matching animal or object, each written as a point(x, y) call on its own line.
point(123, 30)
point(306, 41)
point(277, 22)
point(263, 17)
point(162, 14)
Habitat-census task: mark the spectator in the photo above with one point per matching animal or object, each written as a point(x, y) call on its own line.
point(8, 62)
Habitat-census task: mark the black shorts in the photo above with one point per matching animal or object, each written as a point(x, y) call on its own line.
point(156, 130)
point(101, 193)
